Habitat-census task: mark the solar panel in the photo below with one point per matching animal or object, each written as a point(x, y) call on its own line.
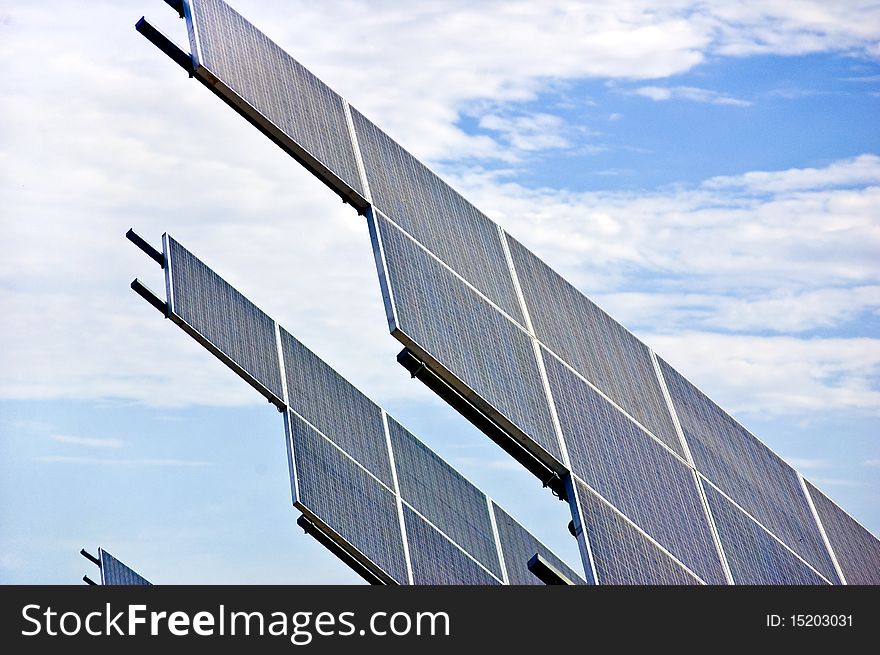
point(442, 318)
point(412, 196)
point(222, 320)
point(754, 556)
point(114, 572)
point(444, 496)
point(333, 489)
point(857, 550)
point(746, 470)
point(471, 306)
point(632, 471)
point(335, 407)
point(436, 560)
point(340, 452)
point(620, 553)
point(519, 545)
point(593, 343)
point(275, 93)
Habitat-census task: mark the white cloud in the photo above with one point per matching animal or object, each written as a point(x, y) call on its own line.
point(803, 463)
point(872, 462)
point(537, 131)
point(690, 93)
point(89, 442)
point(174, 463)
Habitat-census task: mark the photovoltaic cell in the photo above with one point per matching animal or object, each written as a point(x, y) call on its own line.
point(444, 496)
point(335, 407)
point(593, 343)
point(856, 549)
point(114, 572)
point(622, 555)
point(466, 335)
point(755, 557)
point(334, 489)
point(290, 99)
point(519, 546)
point(633, 472)
point(438, 217)
point(757, 479)
point(231, 323)
point(436, 560)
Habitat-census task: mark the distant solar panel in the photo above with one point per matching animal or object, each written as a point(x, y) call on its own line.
point(475, 308)
point(341, 447)
point(755, 557)
point(114, 572)
point(856, 549)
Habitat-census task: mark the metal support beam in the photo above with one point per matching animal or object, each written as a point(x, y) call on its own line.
point(94, 560)
point(147, 294)
point(176, 5)
point(166, 45)
point(546, 572)
point(142, 243)
point(419, 370)
point(313, 530)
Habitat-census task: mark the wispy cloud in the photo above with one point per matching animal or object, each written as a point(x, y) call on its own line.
point(531, 132)
point(802, 463)
point(64, 459)
point(90, 442)
point(872, 462)
point(690, 93)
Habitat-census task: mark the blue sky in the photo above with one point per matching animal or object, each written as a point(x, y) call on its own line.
point(708, 172)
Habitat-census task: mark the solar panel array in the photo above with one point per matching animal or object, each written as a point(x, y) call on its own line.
point(655, 459)
point(369, 484)
point(114, 572)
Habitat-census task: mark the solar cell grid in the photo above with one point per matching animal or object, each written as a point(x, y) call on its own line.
point(755, 557)
point(334, 489)
point(856, 549)
point(593, 343)
point(114, 572)
point(218, 313)
point(633, 472)
point(437, 216)
point(447, 320)
point(309, 115)
point(335, 407)
point(748, 471)
point(622, 555)
point(436, 560)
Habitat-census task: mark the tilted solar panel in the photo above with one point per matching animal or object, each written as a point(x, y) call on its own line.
point(336, 408)
point(355, 471)
point(754, 556)
point(438, 560)
point(222, 320)
point(274, 92)
point(632, 471)
point(518, 546)
point(622, 555)
point(857, 550)
point(441, 317)
point(475, 324)
point(114, 572)
point(332, 488)
point(412, 196)
point(755, 477)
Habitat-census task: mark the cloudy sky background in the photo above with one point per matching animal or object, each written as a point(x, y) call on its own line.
point(708, 172)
